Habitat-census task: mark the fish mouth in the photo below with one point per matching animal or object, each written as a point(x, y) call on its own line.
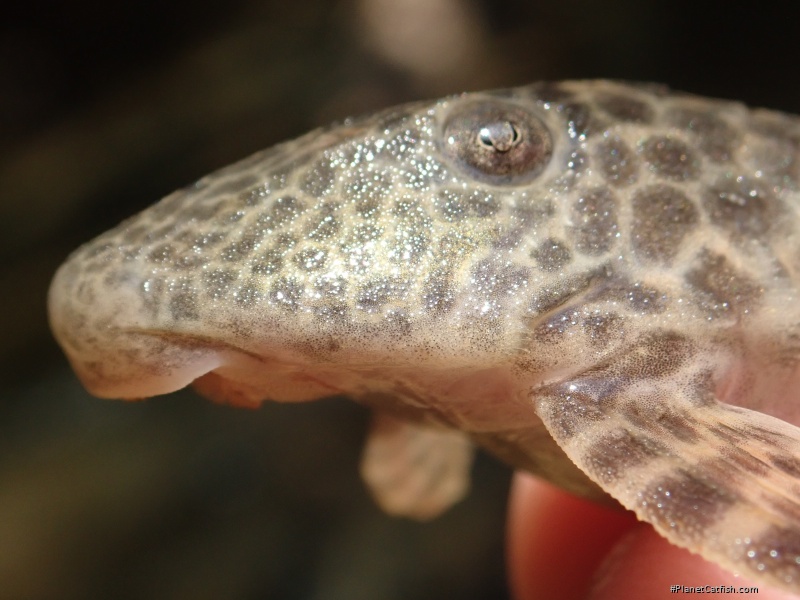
point(150, 363)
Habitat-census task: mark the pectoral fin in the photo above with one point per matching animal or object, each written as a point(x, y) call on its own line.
point(414, 470)
point(719, 480)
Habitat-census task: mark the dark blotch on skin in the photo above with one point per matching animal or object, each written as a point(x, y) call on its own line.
point(369, 191)
point(639, 296)
point(310, 259)
point(662, 217)
point(670, 158)
point(688, 504)
point(786, 463)
point(494, 278)
point(551, 255)
point(161, 254)
point(553, 329)
point(333, 311)
point(625, 108)
point(380, 291)
point(364, 233)
point(286, 292)
point(595, 215)
point(612, 455)
point(568, 413)
point(318, 179)
point(438, 295)
point(653, 355)
point(456, 205)
point(603, 329)
point(714, 136)
point(282, 211)
point(742, 207)
point(183, 306)
point(652, 414)
point(240, 250)
point(325, 225)
point(785, 542)
point(580, 121)
point(550, 91)
point(268, 263)
point(722, 288)
point(218, 282)
point(248, 295)
point(617, 162)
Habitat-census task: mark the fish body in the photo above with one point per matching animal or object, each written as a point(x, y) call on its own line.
point(595, 281)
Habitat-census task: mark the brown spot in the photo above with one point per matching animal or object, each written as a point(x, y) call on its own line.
point(616, 162)
point(183, 305)
point(361, 234)
point(654, 355)
point(255, 195)
point(333, 311)
point(715, 137)
point(456, 205)
point(595, 215)
point(368, 191)
point(685, 503)
point(551, 255)
point(282, 211)
point(652, 414)
point(286, 293)
point(610, 457)
point(497, 278)
point(742, 207)
point(161, 254)
point(268, 263)
point(553, 329)
point(788, 509)
point(218, 282)
point(319, 179)
point(662, 218)
point(568, 412)
point(325, 224)
point(722, 287)
point(206, 240)
point(603, 329)
point(786, 463)
point(778, 152)
point(734, 463)
point(769, 436)
point(625, 108)
point(550, 91)
point(310, 259)
point(204, 211)
point(726, 433)
point(580, 121)
point(248, 295)
point(379, 292)
point(438, 295)
point(778, 550)
point(670, 158)
point(239, 251)
point(639, 296)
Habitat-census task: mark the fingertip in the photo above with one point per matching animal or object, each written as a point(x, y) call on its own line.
point(557, 541)
point(561, 546)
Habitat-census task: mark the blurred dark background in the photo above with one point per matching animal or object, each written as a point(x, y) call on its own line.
point(107, 106)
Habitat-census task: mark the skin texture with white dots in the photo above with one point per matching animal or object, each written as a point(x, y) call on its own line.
point(595, 281)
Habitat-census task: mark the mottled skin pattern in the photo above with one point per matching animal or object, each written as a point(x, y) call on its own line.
point(595, 281)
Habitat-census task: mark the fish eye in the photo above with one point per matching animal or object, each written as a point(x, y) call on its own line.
point(498, 142)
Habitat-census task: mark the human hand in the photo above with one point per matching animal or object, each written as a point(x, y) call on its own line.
point(564, 547)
